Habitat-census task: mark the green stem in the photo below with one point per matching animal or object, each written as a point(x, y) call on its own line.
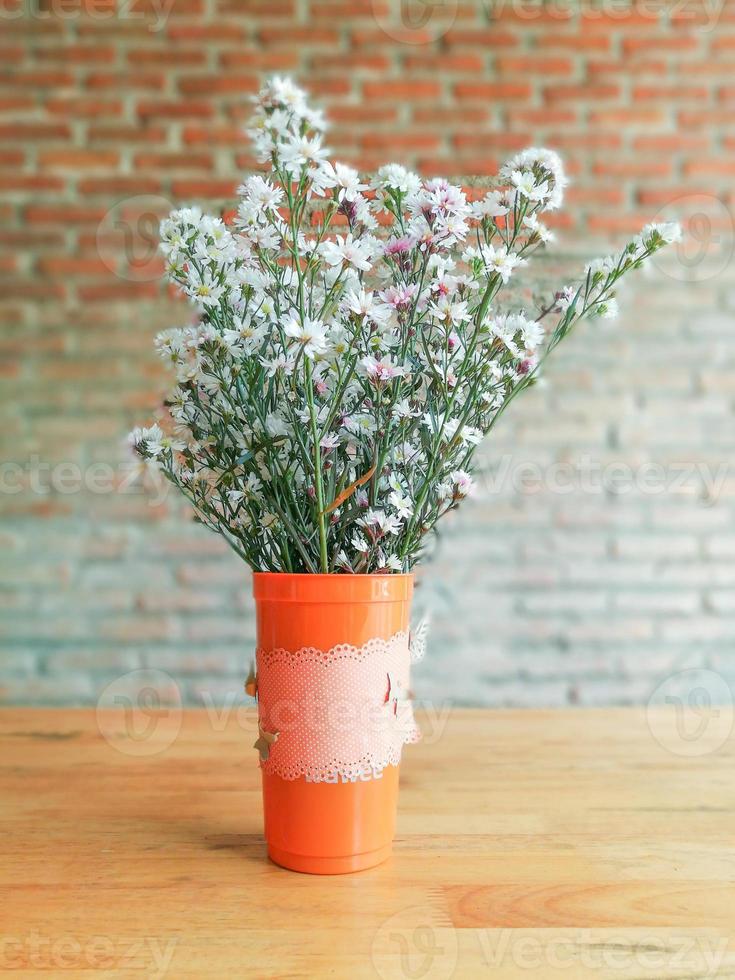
point(324, 559)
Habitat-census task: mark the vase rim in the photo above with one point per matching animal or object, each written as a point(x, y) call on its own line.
point(326, 587)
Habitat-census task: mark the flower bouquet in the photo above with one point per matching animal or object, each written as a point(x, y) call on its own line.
point(351, 350)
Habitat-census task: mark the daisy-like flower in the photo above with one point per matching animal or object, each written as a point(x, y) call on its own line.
point(462, 482)
point(300, 151)
point(547, 164)
point(363, 304)
point(262, 193)
point(607, 310)
point(668, 232)
point(537, 229)
point(152, 441)
point(491, 206)
point(310, 333)
point(400, 297)
point(401, 503)
point(346, 181)
point(330, 442)
point(380, 371)
point(525, 183)
point(394, 177)
point(378, 524)
point(500, 259)
point(346, 250)
point(204, 287)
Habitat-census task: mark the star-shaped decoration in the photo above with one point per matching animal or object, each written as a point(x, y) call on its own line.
point(395, 695)
point(251, 684)
point(264, 741)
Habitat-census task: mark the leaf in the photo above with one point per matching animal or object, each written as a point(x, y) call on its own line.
point(348, 491)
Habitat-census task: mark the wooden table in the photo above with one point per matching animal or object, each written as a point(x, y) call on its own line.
point(530, 844)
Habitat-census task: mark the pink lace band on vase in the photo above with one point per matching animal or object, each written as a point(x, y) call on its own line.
point(340, 714)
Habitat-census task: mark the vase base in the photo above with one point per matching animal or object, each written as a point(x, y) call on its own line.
point(308, 864)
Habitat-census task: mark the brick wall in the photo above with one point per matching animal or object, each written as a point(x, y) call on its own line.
point(110, 114)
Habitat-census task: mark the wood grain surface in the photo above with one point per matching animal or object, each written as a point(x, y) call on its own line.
point(577, 843)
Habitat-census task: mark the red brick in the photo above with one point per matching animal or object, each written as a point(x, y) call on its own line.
point(63, 215)
point(12, 158)
point(216, 189)
point(37, 79)
point(173, 161)
point(216, 135)
point(464, 62)
point(171, 57)
point(667, 143)
point(535, 66)
point(77, 159)
point(31, 182)
point(715, 167)
point(76, 54)
point(72, 266)
point(185, 109)
point(592, 92)
point(633, 169)
point(15, 103)
point(119, 185)
point(574, 42)
point(118, 290)
point(492, 91)
point(126, 134)
point(401, 89)
point(123, 81)
point(76, 108)
point(19, 132)
point(259, 60)
point(670, 93)
point(224, 84)
point(206, 32)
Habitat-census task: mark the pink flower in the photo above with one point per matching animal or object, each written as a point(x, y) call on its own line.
point(380, 371)
point(399, 245)
point(400, 297)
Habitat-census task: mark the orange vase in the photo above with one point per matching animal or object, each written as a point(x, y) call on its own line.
point(320, 827)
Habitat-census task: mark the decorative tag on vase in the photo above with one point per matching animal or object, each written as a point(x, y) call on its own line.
point(340, 715)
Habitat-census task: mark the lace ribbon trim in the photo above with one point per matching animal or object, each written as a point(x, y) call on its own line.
point(340, 714)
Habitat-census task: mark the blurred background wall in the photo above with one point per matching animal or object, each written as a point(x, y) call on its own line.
point(599, 556)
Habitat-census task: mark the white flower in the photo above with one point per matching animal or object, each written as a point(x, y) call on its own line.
point(152, 441)
point(381, 370)
point(607, 310)
point(526, 185)
point(601, 267)
point(359, 543)
point(491, 206)
point(330, 442)
point(347, 180)
point(379, 524)
point(549, 166)
point(300, 151)
point(668, 232)
point(565, 298)
point(462, 482)
point(500, 259)
point(401, 503)
point(204, 287)
point(364, 305)
point(537, 228)
point(396, 178)
point(310, 333)
point(347, 250)
point(262, 193)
